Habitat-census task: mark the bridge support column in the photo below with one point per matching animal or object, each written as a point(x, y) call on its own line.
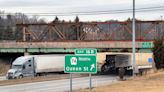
point(26, 53)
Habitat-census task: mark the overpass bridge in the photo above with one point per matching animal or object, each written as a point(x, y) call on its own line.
point(69, 46)
point(65, 36)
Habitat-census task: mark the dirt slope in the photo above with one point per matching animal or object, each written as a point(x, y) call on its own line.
point(4, 66)
point(147, 83)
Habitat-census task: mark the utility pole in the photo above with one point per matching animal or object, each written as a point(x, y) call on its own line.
point(24, 29)
point(133, 40)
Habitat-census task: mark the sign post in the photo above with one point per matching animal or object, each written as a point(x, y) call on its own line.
point(90, 82)
point(134, 40)
point(70, 82)
point(84, 61)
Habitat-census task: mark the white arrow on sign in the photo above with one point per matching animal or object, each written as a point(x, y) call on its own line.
point(92, 66)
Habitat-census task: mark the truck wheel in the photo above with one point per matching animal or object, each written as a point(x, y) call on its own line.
point(105, 69)
point(121, 73)
point(21, 76)
point(9, 78)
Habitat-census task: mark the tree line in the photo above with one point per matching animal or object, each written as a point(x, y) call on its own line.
point(158, 52)
point(8, 29)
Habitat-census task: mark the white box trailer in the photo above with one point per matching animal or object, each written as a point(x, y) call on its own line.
point(35, 65)
point(48, 63)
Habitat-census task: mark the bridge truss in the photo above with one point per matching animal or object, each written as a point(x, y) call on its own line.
point(114, 31)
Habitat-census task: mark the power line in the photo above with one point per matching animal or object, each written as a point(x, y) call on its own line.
point(146, 9)
point(97, 13)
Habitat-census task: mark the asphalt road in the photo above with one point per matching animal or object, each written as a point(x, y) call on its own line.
point(60, 85)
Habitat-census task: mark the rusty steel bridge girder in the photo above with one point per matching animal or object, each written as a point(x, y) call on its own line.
point(145, 30)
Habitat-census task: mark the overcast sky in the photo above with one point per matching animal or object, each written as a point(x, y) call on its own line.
point(64, 6)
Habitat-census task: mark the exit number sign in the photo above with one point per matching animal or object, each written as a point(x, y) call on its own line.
point(85, 51)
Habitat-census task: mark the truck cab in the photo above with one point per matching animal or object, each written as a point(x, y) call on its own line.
point(116, 63)
point(21, 67)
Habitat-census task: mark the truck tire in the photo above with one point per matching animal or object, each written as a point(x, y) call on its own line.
point(20, 76)
point(105, 69)
point(9, 78)
point(121, 73)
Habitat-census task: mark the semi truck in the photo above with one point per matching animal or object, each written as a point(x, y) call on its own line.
point(122, 63)
point(116, 63)
point(35, 65)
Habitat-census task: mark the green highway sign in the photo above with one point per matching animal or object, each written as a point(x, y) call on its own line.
point(80, 64)
point(85, 51)
point(84, 61)
point(146, 44)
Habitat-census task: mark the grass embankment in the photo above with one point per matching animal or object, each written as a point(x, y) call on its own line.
point(153, 82)
point(4, 67)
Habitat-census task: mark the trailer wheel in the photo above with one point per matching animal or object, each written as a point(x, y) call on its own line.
point(38, 74)
point(121, 73)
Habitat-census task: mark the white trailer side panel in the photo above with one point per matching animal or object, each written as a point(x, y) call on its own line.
point(49, 63)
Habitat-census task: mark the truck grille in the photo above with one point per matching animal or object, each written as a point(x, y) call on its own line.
point(10, 74)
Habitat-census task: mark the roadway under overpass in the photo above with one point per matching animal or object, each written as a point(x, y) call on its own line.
point(68, 46)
